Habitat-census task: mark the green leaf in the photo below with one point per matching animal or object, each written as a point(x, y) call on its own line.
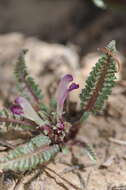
point(28, 156)
point(85, 116)
point(100, 82)
point(26, 83)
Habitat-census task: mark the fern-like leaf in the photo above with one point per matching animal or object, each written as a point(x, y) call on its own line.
point(29, 155)
point(100, 82)
point(9, 120)
point(25, 82)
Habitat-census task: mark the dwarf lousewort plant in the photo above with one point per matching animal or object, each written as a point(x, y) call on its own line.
point(52, 130)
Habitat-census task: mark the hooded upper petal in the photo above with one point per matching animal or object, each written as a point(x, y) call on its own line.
point(63, 92)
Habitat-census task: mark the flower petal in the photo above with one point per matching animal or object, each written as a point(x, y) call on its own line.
point(28, 111)
point(16, 109)
point(62, 92)
point(73, 86)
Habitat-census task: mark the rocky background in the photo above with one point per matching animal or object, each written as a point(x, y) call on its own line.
point(62, 36)
point(64, 21)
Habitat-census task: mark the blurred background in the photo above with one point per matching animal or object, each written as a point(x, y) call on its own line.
point(85, 23)
point(59, 32)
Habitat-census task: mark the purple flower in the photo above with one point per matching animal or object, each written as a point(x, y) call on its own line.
point(16, 109)
point(73, 86)
point(63, 91)
point(25, 109)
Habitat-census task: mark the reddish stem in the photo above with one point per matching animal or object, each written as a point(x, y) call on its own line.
point(15, 121)
point(98, 88)
point(30, 90)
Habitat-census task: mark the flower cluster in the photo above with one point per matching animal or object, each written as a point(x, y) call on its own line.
point(23, 107)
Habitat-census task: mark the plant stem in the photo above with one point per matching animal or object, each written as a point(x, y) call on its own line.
point(15, 121)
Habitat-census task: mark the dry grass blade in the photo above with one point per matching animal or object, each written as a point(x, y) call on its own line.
point(68, 182)
point(120, 142)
